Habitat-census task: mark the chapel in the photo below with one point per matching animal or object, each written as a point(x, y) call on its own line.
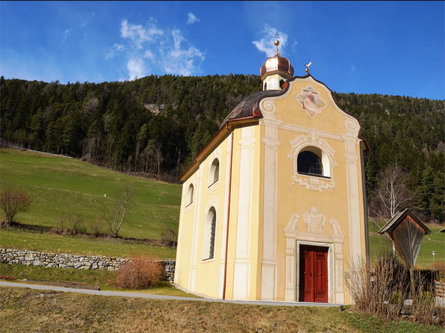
point(273, 207)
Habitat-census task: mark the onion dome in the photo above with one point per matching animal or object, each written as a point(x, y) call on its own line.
point(277, 65)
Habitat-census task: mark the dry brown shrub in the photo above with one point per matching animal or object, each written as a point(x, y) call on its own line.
point(438, 266)
point(380, 291)
point(139, 273)
point(13, 201)
point(168, 236)
point(383, 291)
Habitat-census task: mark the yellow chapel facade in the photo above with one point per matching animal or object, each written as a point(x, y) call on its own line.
point(273, 207)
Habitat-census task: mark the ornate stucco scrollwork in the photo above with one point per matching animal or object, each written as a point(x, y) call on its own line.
point(247, 143)
point(267, 106)
point(310, 101)
point(352, 127)
point(314, 221)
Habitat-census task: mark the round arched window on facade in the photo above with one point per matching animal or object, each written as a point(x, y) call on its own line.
point(312, 161)
point(208, 249)
point(190, 194)
point(214, 172)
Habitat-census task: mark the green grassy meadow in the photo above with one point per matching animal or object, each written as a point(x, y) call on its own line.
point(70, 277)
point(111, 247)
point(432, 242)
point(62, 188)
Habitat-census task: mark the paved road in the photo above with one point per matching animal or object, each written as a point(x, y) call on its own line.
point(160, 297)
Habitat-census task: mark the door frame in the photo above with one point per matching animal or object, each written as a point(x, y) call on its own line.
point(329, 246)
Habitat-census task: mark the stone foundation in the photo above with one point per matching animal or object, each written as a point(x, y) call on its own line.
point(63, 260)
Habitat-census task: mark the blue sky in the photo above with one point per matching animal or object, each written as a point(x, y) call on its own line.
point(394, 48)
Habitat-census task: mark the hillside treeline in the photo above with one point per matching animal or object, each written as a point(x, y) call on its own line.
point(157, 124)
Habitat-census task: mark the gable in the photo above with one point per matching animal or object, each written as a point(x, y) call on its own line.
point(308, 103)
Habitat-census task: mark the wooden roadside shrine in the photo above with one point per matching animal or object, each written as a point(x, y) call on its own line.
point(406, 231)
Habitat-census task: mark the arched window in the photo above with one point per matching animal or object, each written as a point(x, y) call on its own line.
point(214, 172)
point(208, 249)
point(281, 83)
point(190, 194)
point(313, 161)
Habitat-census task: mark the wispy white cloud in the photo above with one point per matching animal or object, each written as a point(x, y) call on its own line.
point(148, 54)
point(66, 34)
point(114, 50)
point(150, 47)
point(179, 59)
point(266, 44)
point(139, 34)
point(136, 68)
point(191, 18)
point(293, 47)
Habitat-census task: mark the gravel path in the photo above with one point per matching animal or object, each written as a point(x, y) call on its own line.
point(160, 297)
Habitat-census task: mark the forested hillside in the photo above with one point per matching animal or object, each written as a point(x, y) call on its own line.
point(156, 125)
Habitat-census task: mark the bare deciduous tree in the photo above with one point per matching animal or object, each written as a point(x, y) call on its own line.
point(115, 208)
point(392, 193)
point(13, 201)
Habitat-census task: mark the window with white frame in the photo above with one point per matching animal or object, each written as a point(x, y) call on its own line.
point(190, 195)
point(313, 161)
point(214, 172)
point(208, 249)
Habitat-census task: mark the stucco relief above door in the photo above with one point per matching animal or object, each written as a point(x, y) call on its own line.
point(311, 102)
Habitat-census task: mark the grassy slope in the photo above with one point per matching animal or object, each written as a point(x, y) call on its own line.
point(16, 239)
point(66, 187)
point(82, 278)
point(63, 187)
point(434, 241)
point(24, 310)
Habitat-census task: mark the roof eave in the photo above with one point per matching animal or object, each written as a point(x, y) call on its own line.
point(222, 134)
point(395, 221)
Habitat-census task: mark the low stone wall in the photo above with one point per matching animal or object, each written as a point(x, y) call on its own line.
point(63, 260)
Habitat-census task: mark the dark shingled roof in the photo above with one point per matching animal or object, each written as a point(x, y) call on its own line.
point(249, 106)
point(398, 218)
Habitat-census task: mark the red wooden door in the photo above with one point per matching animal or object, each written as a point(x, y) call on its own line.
point(313, 274)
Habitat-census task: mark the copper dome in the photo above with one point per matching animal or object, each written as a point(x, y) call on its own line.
point(277, 64)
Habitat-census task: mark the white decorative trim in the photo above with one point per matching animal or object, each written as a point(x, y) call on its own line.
point(225, 217)
point(352, 176)
point(305, 130)
point(213, 187)
point(269, 269)
point(242, 269)
point(310, 101)
point(314, 221)
point(196, 227)
point(290, 233)
point(189, 206)
point(215, 155)
point(336, 227)
point(247, 143)
point(313, 183)
point(352, 126)
point(333, 241)
point(267, 106)
point(181, 222)
point(291, 228)
point(271, 144)
point(212, 203)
